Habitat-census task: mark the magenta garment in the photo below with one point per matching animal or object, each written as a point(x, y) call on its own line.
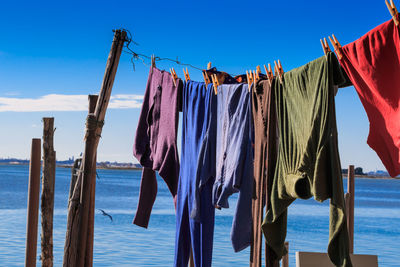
point(155, 144)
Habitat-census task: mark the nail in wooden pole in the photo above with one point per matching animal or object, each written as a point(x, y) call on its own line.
point(90, 233)
point(33, 204)
point(350, 207)
point(47, 203)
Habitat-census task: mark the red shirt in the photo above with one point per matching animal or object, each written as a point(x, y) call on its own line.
point(373, 66)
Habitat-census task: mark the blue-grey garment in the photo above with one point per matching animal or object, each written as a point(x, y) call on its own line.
point(234, 159)
point(198, 106)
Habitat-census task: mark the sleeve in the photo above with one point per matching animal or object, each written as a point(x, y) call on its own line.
point(147, 196)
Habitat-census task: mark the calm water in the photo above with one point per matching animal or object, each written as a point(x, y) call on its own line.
point(119, 243)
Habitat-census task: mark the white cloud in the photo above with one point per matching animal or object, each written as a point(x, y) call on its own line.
point(56, 102)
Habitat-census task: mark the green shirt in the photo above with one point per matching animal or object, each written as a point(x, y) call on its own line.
point(308, 158)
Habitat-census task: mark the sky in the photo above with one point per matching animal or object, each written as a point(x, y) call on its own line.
point(53, 54)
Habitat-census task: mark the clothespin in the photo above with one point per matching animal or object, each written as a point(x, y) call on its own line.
point(270, 74)
point(325, 46)
point(209, 65)
point(186, 73)
point(258, 70)
point(336, 45)
point(215, 82)
point(153, 61)
point(174, 76)
point(393, 11)
point(206, 79)
point(279, 70)
point(256, 77)
point(249, 75)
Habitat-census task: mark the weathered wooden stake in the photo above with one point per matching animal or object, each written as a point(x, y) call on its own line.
point(76, 239)
point(47, 203)
point(350, 207)
point(33, 204)
point(285, 259)
point(90, 233)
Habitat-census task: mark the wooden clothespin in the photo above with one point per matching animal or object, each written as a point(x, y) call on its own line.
point(325, 46)
point(336, 45)
point(206, 79)
point(174, 76)
point(279, 70)
point(270, 74)
point(249, 75)
point(393, 11)
point(209, 65)
point(258, 70)
point(186, 74)
point(256, 78)
point(153, 61)
point(215, 82)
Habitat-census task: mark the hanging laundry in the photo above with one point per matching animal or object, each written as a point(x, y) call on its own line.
point(196, 180)
point(234, 159)
point(373, 65)
point(265, 155)
point(155, 145)
point(222, 76)
point(308, 158)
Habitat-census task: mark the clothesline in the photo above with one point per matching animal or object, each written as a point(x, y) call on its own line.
point(325, 47)
point(292, 152)
point(143, 57)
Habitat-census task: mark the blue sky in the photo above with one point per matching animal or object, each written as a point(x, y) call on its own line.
point(60, 48)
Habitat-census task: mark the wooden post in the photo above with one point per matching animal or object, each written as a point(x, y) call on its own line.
point(47, 203)
point(33, 204)
point(350, 207)
point(285, 259)
point(191, 260)
point(90, 233)
point(76, 240)
point(257, 214)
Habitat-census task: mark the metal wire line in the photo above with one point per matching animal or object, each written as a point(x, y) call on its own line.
point(143, 57)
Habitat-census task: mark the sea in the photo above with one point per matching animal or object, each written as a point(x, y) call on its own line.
point(120, 243)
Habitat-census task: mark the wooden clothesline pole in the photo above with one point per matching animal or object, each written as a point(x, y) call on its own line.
point(77, 232)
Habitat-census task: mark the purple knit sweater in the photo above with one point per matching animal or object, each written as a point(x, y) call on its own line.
point(155, 141)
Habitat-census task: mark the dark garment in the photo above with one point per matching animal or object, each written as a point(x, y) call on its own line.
point(265, 155)
point(223, 77)
point(242, 78)
point(195, 182)
point(234, 155)
point(155, 141)
point(373, 65)
point(308, 158)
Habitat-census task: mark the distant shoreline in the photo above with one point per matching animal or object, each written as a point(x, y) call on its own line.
point(374, 177)
point(67, 166)
point(102, 167)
